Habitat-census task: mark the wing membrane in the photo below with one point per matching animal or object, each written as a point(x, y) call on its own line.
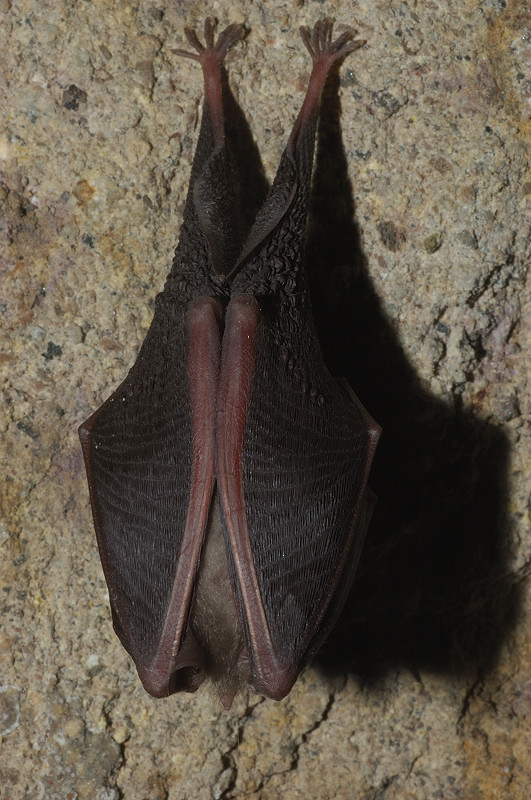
point(306, 449)
point(150, 464)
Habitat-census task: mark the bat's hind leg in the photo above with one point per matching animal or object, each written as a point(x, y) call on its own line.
point(325, 53)
point(211, 56)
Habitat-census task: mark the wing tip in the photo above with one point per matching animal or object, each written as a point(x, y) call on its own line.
point(276, 688)
point(159, 682)
point(165, 674)
point(274, 679)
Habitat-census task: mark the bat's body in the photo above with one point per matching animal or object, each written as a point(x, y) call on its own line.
point(228, 472)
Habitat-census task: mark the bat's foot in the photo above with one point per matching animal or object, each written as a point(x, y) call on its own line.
point(321, 46)
point(218, 48)
point(326, 53)
point(211, 56)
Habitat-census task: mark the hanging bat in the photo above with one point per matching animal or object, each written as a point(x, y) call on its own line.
point(228, 472)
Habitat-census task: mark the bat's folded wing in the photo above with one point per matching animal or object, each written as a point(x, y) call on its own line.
point(150, 464)
point(294, 496)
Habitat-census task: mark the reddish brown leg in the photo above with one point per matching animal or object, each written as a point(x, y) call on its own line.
point(325, 53)
point(211, 58)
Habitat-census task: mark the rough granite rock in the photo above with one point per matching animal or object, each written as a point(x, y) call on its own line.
point(419, 251)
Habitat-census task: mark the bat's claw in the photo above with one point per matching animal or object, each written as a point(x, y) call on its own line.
point(226, 39)
point(320, 44)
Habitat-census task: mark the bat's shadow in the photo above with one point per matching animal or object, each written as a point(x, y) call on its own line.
point(433, 587)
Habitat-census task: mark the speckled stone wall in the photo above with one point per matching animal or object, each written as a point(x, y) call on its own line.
point(419, 251)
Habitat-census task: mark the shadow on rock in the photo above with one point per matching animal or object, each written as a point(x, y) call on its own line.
point(433, 587)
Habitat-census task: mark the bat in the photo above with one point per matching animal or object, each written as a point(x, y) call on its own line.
point(228, 472)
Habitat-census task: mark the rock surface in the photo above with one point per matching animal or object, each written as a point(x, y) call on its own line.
point(419, 253)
